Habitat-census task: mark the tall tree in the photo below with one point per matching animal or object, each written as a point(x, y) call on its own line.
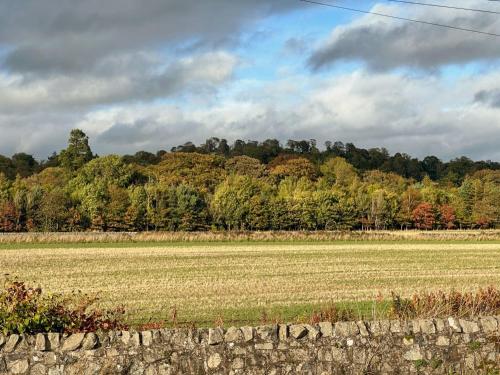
point(78, 151)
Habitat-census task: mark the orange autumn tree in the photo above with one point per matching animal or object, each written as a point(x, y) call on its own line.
point(423, 216)
point(448, 216)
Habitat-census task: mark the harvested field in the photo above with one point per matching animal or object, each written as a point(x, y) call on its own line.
point(236, 281)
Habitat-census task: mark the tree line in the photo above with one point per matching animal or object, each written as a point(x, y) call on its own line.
point(245, 186)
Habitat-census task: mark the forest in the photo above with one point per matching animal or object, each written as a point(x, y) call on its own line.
point(245, 186)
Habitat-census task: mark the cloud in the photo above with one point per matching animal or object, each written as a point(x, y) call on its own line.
point(152, 74)
point(402, 113)
point(372, 110)
point(70, 37)
point(384, 44)
point(126, 78)
point(489, 97)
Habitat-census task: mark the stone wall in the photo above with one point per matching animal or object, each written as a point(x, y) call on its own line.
point(437, 346)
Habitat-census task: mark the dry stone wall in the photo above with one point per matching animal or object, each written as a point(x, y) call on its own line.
point(434, 346)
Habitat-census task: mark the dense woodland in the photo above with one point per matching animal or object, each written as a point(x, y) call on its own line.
point(245, 186)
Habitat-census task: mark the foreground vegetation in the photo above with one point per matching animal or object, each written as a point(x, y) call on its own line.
point(292, 188)
point(61, 239)
point(28, 310)
point(247, 282)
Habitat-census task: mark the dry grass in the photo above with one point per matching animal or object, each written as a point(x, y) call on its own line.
point(140, 237)
point(439, 303)
point(241, 282)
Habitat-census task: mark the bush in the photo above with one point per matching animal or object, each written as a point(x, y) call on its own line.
point(25, 309)
point(442, 304)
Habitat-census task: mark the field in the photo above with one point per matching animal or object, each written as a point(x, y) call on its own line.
point(238, 281)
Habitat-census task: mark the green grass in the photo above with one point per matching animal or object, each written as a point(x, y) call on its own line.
point(300, 313)
point(167, 244)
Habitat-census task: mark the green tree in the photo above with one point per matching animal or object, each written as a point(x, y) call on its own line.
point(93, 188)
point(78, 151)
point(245, 166)
point(410, 199)
point(201, 171)
point(231, 203)
point(24, 164)
point(338, 171)
point(295, 167)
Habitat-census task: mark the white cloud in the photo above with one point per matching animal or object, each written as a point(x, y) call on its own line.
point(418, 115)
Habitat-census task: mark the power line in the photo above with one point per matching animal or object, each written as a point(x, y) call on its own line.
point(446, 6)
point(402, 18)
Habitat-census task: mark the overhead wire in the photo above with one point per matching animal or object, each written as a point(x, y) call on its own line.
point(445, 6)
point(475, 31)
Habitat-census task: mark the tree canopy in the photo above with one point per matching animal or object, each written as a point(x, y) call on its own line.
point(247, 186)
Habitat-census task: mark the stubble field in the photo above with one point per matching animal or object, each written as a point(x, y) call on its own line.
point(238, 282)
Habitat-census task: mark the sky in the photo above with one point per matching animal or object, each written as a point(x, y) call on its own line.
point(153, 74)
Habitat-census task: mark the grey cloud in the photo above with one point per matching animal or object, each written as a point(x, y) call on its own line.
point(72, 36)
point(489, 97)
point(297, 45)
point(384, 44)
point(125, 79)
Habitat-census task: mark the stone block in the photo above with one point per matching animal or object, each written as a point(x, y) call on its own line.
point(443, 341)
point(325, 355)
point(299, 355)
point(264, 346)
point(283, 332)
point(312, 332)
point(233, 334)
point(489, 324)
point(125, 337)
point(344, 329)
point(454, 324)
point(298, 331)
point(408, 340)
point(147, 338)
point(440, 325)
point(90, 341)
point(135, 339)
point(425, 326)
point(247, 333)
point(73, 342)
point(414, 354)
point(269, 332)
point(11, 344)
point(38, 369)
point(238, 364)
point(363, 331)
point(339, 355)
point(215, 336)
point(54, 340)
point(379, 328)
point(395, 326)
point(41, 343)
point(20, 366)
point(469, 326)
point(326, 329)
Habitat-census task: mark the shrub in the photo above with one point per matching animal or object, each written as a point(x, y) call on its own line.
point(25, 309)
point(442, 304)
point(332, 314)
